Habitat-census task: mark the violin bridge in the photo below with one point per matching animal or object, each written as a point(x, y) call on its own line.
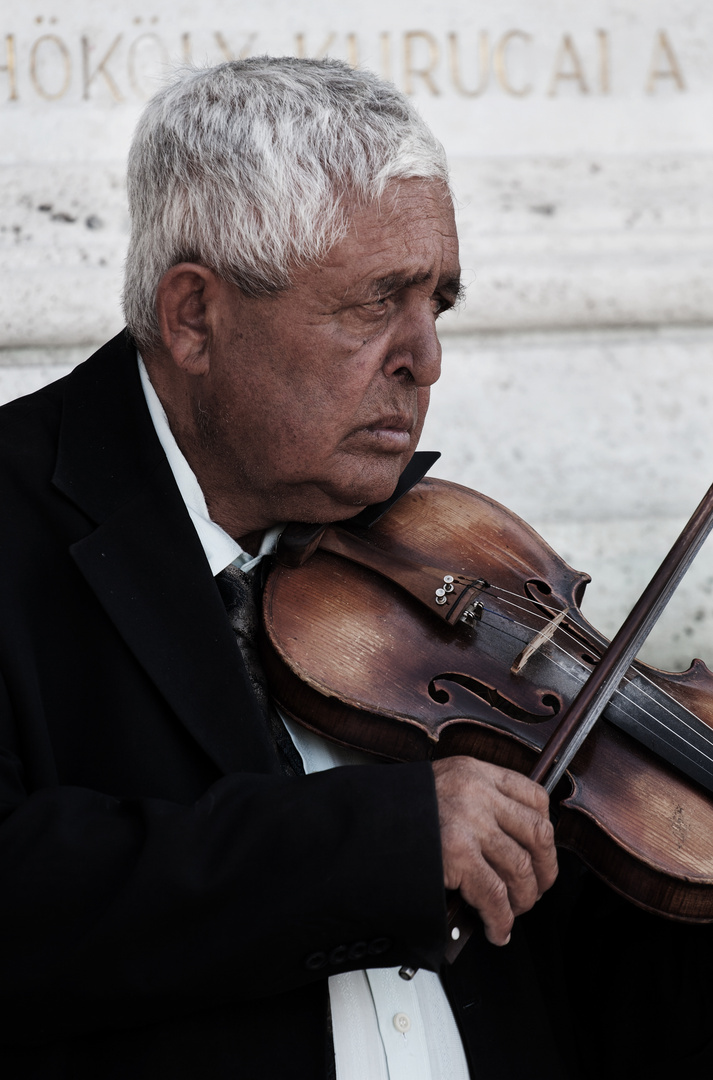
point(537, 642)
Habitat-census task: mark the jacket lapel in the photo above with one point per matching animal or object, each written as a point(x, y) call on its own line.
point(145, 563)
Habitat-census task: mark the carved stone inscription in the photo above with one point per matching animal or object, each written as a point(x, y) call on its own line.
point(50, 63)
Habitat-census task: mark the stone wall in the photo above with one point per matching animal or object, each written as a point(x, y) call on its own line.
point(576, 385)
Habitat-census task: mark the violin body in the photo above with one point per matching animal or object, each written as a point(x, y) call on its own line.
point(362, 656)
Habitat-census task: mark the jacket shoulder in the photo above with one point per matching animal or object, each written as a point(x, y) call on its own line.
point(29, 425)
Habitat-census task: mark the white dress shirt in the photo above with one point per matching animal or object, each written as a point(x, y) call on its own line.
point(384, 1028)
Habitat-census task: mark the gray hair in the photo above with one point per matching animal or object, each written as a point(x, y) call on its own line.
point(250, 168)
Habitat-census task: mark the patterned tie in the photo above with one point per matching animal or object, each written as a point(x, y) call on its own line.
point(241, 595)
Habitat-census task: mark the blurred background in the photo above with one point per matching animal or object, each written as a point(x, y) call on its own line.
point(577, 382)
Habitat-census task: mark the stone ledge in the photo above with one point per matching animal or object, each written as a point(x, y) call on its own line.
point(547, 243)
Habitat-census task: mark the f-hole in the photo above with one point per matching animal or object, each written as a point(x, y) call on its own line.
point(492, 697)
point(541, 587)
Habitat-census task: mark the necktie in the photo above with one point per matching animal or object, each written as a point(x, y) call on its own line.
point(241, 595)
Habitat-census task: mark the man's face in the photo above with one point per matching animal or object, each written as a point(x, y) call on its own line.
point(316, 397)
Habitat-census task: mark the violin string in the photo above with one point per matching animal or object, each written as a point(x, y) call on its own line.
point(642, 675)
point(625, 679)
point(566, 633)
point(697, 750)
point(702, 739)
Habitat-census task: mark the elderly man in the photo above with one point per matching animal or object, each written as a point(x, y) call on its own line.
point(189, 888)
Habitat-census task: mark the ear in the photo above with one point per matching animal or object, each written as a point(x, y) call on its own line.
point(183, 298)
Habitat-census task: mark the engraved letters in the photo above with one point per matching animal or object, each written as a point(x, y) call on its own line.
point(501, 65)
point(146, 45)
point(418, 42)
point(468, 64)
point(228, 53)
point(10, 67)
point(664, 64)
point(60, 71)
point(101, 68)
point(482, 65)
point(604, 61)
point(568, 66)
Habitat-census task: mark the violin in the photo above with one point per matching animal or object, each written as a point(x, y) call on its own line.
point(450, 627)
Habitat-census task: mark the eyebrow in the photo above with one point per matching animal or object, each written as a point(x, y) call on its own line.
point(452, 287)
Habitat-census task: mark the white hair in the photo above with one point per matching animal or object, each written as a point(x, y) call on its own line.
point(250, 168)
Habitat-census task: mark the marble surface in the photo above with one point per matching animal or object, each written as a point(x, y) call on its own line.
point(579, 136)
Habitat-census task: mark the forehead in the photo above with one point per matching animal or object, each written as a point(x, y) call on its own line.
point(409, 233)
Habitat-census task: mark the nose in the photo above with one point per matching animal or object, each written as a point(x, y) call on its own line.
point(414, 353)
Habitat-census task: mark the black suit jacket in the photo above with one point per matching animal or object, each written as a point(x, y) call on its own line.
point(171, 903)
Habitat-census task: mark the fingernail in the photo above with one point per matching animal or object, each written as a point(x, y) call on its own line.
point(507, 940)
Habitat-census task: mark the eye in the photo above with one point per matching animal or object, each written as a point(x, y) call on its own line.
point(440, 304)
point(377, 305)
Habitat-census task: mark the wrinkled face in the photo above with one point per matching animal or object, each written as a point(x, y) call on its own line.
point(316, 397)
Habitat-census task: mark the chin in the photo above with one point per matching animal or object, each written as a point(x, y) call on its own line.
point(348, 492)
point(374, 488)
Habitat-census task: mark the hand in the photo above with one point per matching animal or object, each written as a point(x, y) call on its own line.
point(497, 840)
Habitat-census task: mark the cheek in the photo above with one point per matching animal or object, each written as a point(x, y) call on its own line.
point(319, 404)
point(302, 434)
point(347, 397)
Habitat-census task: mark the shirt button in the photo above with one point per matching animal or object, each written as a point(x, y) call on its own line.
point(402, 1023)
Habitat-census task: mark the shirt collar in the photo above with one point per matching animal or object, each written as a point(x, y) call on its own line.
point(220, 548)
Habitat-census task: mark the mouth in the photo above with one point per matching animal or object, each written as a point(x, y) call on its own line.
point(392, 433)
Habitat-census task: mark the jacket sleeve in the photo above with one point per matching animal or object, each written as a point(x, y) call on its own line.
point(124, 911)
